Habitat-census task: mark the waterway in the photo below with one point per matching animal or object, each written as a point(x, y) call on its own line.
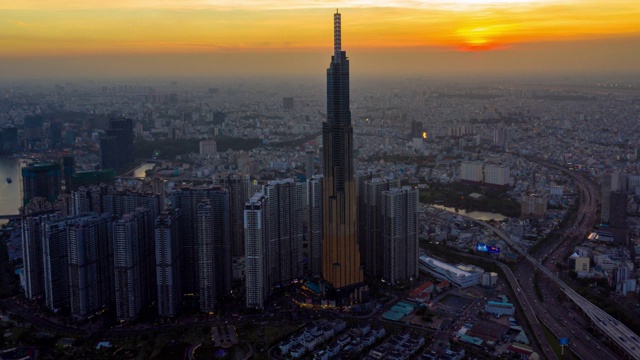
point(10, 194)
point(140, 171)
point(478, 215)
point(10, 199)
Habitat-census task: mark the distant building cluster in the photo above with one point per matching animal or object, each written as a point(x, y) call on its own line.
point(490, 174)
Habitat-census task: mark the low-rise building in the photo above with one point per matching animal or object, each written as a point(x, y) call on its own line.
point(459, 276)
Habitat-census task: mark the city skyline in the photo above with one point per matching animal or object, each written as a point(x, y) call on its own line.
point(192, 38)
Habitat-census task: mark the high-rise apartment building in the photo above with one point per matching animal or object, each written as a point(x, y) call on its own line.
point(314, 227)
point(416, 129)
point(120, 203)
point(533, 206)
point(88, 199)
point(41, 180)
point(285, 215)
point(471, 171)
point(341, 267)
point(501, 137)
point(130, 235)
point(205, 219)
point(309, 163)
point(55, 264)
point(287, 102)
point(33, 131)
point(32, 236)
point(497, 175)
point(90, 246)
point(167, 238)
point(208, 147)
point(256, 252)
point(240, 190)
point(55, 135)
point(371, 224)
point(610, 183)
point(187, 199)
point(9, 140)
point(618, 216)
point(399, 234)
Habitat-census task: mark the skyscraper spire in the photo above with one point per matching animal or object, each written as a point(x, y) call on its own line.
point(340, 252)
point(337, 37)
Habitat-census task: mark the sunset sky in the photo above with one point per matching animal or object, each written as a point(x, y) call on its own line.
point(190, 37)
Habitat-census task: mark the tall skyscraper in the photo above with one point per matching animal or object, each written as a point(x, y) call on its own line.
point(9, 140)
point(416, 129)
point(168, 259)
point(116, 148)
point(341, 267)
point(400, 234)
point(33, 131)
point(610, 183)
point(68, 169)
point(257, 259)
point(55, 135)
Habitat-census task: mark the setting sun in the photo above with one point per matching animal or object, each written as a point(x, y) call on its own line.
point(37, 29)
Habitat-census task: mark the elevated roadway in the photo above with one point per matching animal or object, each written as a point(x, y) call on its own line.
point(625, 339)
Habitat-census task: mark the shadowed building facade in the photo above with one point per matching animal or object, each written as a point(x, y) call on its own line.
point(341, 266)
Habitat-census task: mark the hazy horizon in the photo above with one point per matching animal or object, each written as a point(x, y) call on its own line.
point(593, 59)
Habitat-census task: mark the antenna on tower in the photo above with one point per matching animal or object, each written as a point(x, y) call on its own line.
point(337, 36)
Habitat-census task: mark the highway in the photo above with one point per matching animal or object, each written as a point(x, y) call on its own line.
point(523, 299)
point(625, 339)
point(560, 318)
point(617, 332)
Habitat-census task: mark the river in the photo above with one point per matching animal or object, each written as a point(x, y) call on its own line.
point(478, 215)
point(140, 171)
point(10, 194)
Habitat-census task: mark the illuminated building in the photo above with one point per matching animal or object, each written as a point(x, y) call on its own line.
point(341, 268)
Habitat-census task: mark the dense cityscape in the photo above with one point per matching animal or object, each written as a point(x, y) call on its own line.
point(403, 218)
